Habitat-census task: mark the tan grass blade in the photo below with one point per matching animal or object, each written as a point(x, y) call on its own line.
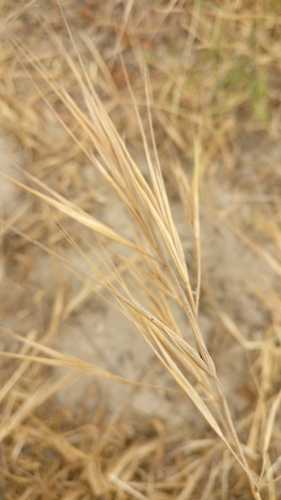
point(269, 429)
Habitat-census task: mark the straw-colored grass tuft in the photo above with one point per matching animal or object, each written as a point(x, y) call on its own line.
point(140, 250)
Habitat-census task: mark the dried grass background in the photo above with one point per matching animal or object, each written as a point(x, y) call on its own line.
point(143, 140)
